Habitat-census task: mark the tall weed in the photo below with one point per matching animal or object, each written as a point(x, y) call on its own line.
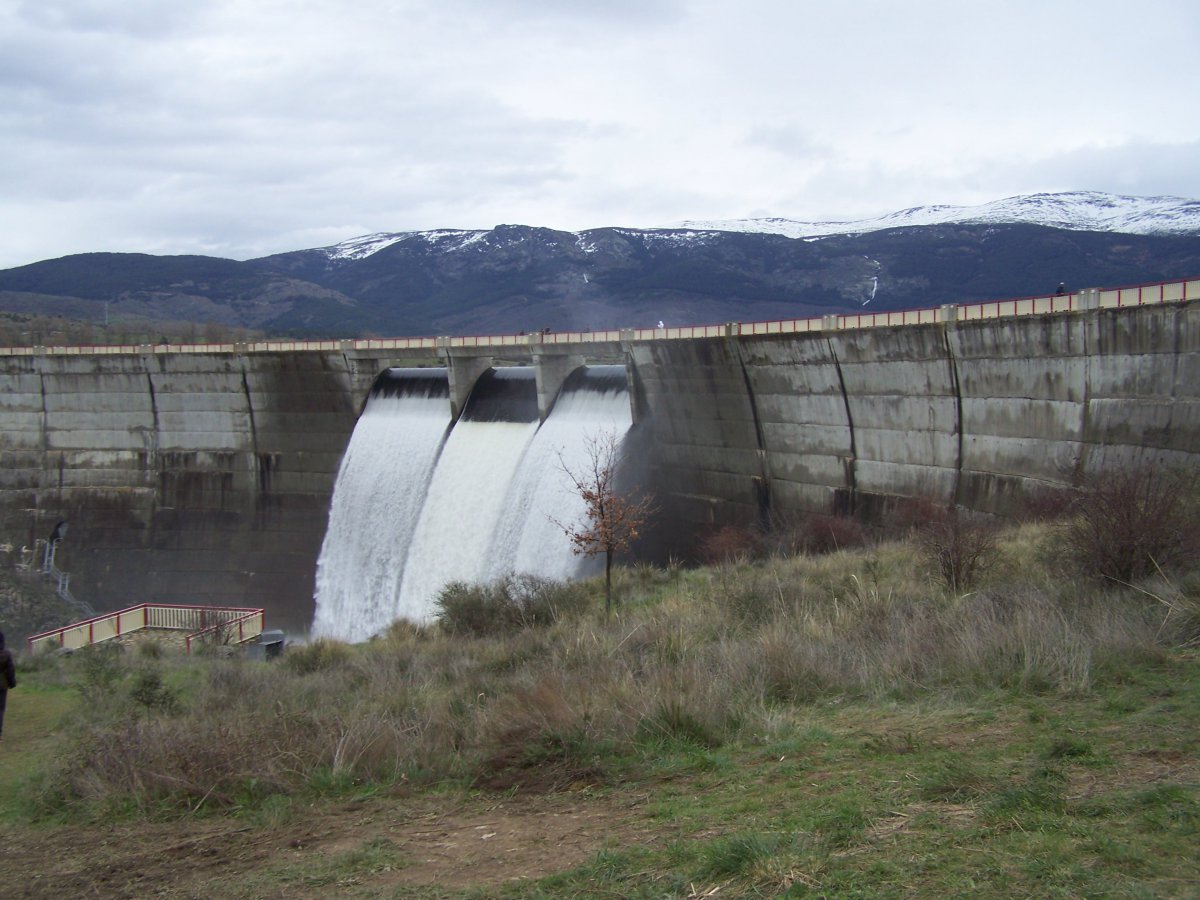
point(542, 700)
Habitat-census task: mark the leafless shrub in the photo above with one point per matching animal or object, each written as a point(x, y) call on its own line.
point(815, 534)
point(960, 548)
point(828, 534)
point(1126, 524)
point(731, 544)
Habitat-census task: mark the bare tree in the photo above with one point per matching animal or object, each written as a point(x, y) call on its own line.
point(1130, 522)
point(612, 520)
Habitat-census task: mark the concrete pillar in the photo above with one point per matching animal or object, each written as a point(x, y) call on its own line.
point(830, 323)
point(1089, 298)
point(948, 312)
point(733, 329)
point(550, 371)
point(462, 372)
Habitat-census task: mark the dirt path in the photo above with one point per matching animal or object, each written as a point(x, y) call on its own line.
point(375, 846)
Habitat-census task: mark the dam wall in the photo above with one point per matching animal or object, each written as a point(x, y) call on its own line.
point(970, 413)
point(202, 475)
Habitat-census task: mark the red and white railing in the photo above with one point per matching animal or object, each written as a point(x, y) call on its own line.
point(239, 624)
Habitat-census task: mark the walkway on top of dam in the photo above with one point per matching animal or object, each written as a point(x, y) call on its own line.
point(566, 341)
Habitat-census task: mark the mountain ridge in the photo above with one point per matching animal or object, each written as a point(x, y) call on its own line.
point(523, 278)
point(1071, 211)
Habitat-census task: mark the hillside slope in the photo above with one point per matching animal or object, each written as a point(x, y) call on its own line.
point(521, 278)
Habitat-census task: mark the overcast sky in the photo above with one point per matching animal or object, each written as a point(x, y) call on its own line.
point(239, 128)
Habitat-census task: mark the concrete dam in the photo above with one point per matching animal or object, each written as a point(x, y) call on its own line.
point(204, 473)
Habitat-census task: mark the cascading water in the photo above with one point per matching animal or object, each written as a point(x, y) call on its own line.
point(467, 494)
point(529, 538)
point(380, 489)
point(414, 509)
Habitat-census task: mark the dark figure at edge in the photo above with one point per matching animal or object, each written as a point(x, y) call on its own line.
point(7, 680)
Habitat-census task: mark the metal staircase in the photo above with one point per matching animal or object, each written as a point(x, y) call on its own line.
point(61, 580)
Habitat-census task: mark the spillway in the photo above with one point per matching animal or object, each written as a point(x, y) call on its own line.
point(466, 497)
point(379, 492)
point(541, 499)
point(418, 504)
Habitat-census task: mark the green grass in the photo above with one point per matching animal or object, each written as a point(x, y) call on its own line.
point(341, 872)
point(1005, 807)
point(933, 798)
point(32, 728)
point(863, 733)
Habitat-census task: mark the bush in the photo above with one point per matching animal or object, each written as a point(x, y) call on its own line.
point(1126, 524)
point(149, 691)
point(319, 656)
point(731, 544)
point(508, 604)
point(813, 534)
point(960, 548)
point(100, 669)
point(829, 534)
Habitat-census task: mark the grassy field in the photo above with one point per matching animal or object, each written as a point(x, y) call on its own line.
point(836, 725)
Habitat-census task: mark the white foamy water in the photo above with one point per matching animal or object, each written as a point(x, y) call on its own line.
point(462, 509)
point(528, 538)
point(380, 490)
point(414, 509)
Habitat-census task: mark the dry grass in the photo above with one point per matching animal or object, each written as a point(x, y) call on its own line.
point(694, 658)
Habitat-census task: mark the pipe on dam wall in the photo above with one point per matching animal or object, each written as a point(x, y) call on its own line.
point(207, 477)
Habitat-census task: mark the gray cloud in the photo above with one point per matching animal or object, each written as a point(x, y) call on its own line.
point(242, 127)
point(1138, 167)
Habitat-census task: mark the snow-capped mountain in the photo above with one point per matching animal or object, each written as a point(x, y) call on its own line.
point(515, 278)
point(1074, 211)
point(362, 247)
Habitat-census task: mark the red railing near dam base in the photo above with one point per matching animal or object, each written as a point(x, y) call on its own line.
point(237, 623)
point(1094, 298)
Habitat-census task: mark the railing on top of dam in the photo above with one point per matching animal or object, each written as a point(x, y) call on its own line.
point(1094, 298)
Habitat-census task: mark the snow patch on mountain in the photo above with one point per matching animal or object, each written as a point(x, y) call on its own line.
point(362, 247)
point(1074, 211)
point(448, 239)
point(442, 238)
